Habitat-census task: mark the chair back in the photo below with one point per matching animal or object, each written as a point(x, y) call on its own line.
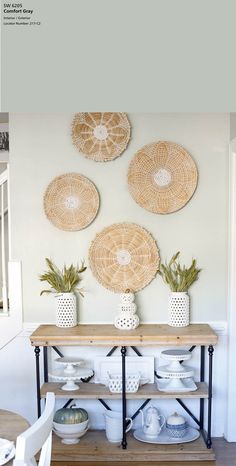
point(37, 437)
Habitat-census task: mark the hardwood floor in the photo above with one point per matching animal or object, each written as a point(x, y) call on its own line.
point(225, 456)
point(225, 452)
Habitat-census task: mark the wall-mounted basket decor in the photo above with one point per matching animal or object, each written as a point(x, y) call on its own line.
point(124, 256)
point(71, 202)
point(101, 136)
point(162, 177)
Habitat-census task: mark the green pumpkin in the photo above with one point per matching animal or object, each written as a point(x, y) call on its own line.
point(70, 416)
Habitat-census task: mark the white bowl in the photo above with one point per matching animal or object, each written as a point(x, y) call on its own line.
point(71, 428)
point(69, 438)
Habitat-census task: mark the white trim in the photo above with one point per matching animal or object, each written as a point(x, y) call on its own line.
point(219, 327)
point(5, 256)
point(9, 212)
point(11, 323)
point(230, 430)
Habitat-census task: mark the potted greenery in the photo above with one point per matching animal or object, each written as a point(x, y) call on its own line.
point(64, 284)
point(179, 278)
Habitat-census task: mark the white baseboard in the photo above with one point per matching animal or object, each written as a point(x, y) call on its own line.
point(220, 327)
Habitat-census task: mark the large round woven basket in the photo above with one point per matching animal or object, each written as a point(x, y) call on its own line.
point(124, 256)
point(162, 177)
point(101, 136)
point(71, 202)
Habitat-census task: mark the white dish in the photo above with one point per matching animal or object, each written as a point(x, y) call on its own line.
point(7, 451)
point(134, 364)
point(132, 383)
point(69, 438)
point(4, 443)
point(164, 439)
point(71, 428)
point(186, 385)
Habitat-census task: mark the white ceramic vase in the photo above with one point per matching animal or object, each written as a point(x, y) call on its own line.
point(127, 318)
point(66, 315)
point(179, 309)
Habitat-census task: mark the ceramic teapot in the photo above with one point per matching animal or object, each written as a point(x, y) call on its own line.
point(152, 422)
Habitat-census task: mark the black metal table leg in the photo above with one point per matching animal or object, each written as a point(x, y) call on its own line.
point(210, 352)
point(124, 441)
point(37, 353)
point(45, 363)
point(202, 379)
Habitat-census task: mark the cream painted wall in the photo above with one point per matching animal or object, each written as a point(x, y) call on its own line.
point(41, 149)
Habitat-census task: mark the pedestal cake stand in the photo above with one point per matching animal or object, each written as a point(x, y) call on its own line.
point(175, 377)
point(70, 372)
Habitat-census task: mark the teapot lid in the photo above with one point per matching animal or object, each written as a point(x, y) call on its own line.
point(152, 409)
point(175, 419)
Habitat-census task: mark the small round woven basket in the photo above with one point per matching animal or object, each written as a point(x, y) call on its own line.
point(71, 202)
point(101, 136)
point(124, 256)
point(162, 177)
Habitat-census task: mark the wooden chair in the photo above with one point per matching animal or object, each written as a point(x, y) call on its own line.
point(37, 437)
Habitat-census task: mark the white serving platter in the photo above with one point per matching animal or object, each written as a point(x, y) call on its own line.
point(164, 439)
point(113, 365)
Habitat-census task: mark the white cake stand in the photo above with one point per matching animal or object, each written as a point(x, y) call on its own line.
point(175, 372)
point(70, 379)
point(69, 364)
point(174, 357)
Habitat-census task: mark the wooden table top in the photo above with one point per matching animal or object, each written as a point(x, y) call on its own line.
point(11, 425)
point(144, 335)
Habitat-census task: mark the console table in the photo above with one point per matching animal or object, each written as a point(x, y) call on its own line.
point(94, 446)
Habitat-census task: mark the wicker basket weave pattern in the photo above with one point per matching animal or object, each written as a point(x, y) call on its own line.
point(124, 256)
point(162, 177)
point(71, 202)
point(101, 136)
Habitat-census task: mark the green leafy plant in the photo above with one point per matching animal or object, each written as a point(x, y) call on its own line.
point(179, 278)
point(63, 281)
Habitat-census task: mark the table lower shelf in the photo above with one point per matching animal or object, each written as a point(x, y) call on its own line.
point(95, 448)
point(96, 391)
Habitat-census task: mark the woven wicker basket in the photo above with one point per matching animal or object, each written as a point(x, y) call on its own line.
point(124, 256)
point(101, 136)
point(162, 177)
point(71, 202)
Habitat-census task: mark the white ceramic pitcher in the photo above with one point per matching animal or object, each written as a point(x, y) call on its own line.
point(151, 422)
point(114, 426)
